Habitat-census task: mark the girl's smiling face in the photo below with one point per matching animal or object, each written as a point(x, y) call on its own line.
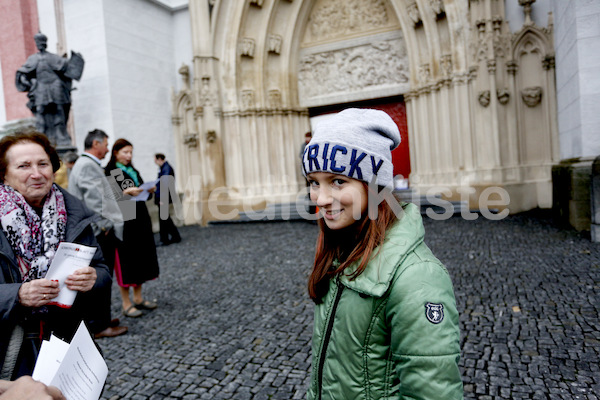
point(341, 200)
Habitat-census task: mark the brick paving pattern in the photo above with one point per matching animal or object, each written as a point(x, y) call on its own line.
point(234, 321)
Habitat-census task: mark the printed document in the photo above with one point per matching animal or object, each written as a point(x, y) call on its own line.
point(145, 194)
point(77, 369)
point(68, 258)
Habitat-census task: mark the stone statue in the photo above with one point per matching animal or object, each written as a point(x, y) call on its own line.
point(47, 78)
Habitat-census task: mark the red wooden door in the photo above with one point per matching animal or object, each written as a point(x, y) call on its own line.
point(400, 156)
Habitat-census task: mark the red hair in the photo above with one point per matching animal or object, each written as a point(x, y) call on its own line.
point(353, 244)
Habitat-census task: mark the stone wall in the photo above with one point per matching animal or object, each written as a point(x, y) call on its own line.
point(578, 96)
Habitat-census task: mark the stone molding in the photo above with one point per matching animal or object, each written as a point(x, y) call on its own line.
point(357, 69)
point(262, 112)
point(337, 19)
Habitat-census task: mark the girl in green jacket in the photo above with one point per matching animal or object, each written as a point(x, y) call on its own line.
point(386, 324)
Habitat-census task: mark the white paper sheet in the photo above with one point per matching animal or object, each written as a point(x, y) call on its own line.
point(69, 257)
point(82, 370)
point(51, 355)
point(145, 194)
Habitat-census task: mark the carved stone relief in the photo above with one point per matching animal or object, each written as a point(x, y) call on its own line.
point(275, 98)
point(247, 99)
point(191, 140)
point(502, 39)
point(548, 62)
point(532, 96)
point(246, 47)
point(184, 71)
point(367, 66)
point(207, 96)
point(503, 96)
point(258, 3)
point(446, 65)
point(484, 98)
point(211, 136)
point(274, 44)
point(333, 19)
point(480, 41)
point(526, 4)
point(413, 12)
point(512, 67)
point(424, 74)
point(437, 6)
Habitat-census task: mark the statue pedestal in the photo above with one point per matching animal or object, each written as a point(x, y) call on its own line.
point(62, 150)
point(17, 125)
point(28, 124)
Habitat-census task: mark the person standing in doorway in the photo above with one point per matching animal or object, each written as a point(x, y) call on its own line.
point(88, 184)
point(168, 231)
point(385, 321)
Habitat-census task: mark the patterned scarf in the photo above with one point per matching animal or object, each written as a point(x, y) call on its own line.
point(34, 239)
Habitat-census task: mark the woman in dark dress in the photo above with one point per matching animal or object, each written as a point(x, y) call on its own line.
point(136, 261)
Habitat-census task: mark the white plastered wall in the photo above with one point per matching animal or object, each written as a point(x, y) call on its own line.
point(577, 36)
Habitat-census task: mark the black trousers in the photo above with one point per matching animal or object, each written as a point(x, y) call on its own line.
point(96, 302)
point(168, 230)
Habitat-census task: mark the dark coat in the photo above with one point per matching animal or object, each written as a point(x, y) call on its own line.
point(165, 170)
point(138, 262)
point(78, 230)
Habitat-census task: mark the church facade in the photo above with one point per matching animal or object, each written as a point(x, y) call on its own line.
point(476, 102)
point(495, 99)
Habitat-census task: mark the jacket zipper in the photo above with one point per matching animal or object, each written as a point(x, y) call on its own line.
point(326, 339)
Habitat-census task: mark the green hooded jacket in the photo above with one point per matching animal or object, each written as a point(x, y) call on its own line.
point(391, 333)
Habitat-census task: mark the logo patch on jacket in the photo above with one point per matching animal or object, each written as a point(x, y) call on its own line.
point(434, 312)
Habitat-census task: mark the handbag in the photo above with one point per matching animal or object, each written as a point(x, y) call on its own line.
point(12, 352)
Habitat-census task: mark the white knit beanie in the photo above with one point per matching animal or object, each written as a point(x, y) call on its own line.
point(357, 143)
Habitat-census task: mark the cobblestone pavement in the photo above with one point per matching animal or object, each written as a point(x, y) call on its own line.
point(234, 321)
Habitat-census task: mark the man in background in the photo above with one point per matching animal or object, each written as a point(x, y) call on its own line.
point(168, 231)
point(88, 183)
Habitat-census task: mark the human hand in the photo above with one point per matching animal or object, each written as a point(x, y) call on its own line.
point(133, 191)
point(152, 189)
point(38, 292)
point(82, 280)
point(25, 388)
